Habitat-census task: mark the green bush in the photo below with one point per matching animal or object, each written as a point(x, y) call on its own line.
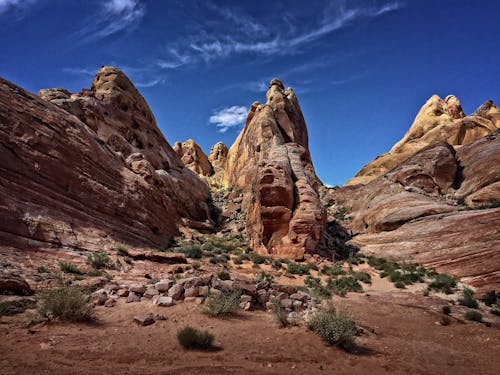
point(276, 264)
point(491, 298)
point(467, 298)
point(98, 260)
point(300, 269)
point(191, 251)
point(343, 285)
point(400, 284)
point(192, 338)
point(334, 328)
point(280, 314)
point(218, 259)
point(443, 283)
point(224, 304)
point(363, 277)
point(70, 268)
point(66, 303)
point(495, 309)
point(42, 269)
point(445, 320)
point(196, 265)
point(257, 259)
point(263, 276)
point(335, 270)
point(446, 310)
point(474, 315)
point(224, 275)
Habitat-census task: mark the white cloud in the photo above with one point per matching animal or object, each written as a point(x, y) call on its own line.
point(112, 17)
point(15, 5)
point(279, 36)
point(229, 117)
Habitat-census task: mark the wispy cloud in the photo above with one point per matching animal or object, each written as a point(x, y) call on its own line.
point(18, 7)
point(112, 16)
point(229, 117)
point(278, 36)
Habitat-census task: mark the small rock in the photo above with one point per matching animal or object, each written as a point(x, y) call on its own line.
point(191, 292)
point(297, 304)
point(110, 302)
point(203, 290)
point(164, 285)
point(133, 297)
point(151, 292)
point(287, 303)
point(144, 319)
point(123, 293)
point(246, 298)
point(190, 299)
point(262, 296)
point(138, 288)
point(165, 301)
point(176, 292)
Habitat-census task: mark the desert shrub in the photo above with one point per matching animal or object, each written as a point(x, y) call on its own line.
point(491, 298)
point(335, 270)
point(95, 272)
point(217, 259)
point(42, 269)
point(263, 276)
point(312, 282)
point(335, 328)
point(400, 284)
point(223, 304)
point(224, 275)
point(299, 269)
point(192, 338)
point(276, 264)
point(191, 251)
point(69, 268)
point(474, 315)
point(98, 260)
point(363, 277)
point(446, 310)
point(257, 259)
point(196, 265)
point(280, 314)
point(491, 204)
point(495, 309)
point(121, 249)
point(343, 285)
point(341, 214)
point(66, 303)
point(443, 282)
point(445, 320)
point(467, 298)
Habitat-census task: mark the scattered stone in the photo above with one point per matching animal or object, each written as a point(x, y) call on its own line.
point(138, 288)
point(110, 302)
point(245, 298)
point(151, 292)
point(165, 301)
point(123, 293)
point(144, 319)
point(133, 297)
point(203, 291)
point(286, 303)
point(176, 292)
point(191, 292)
point(14, 285)
point(164, 285)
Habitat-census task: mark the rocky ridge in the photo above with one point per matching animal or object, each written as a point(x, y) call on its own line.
point(438, 120)
point(84, 171)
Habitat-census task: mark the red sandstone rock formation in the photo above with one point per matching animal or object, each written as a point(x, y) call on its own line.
point(270, 162)
point(86, 170)
point(193, 157)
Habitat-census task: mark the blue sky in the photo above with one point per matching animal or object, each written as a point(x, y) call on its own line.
point(361, 69)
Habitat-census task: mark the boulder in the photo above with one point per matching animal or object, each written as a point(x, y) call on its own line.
point(165, 301)
point(144, 319)
point(14, 285)
point(218, 156)
point(164, 285)
point(133, 297)
point(176, 292)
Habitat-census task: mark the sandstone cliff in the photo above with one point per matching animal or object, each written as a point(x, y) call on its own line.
point(218, 156)
point(271, 164)
point(84, 171)
point(193, 157)
point(438, 120)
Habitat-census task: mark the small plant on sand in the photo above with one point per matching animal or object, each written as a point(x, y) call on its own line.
point(191, 251)
point(66, 303)
point(280, 314)
point(196, 265)
point(192, 338)
point(224, 275)
point(70, 268)
point(263, 276)
point(335, 270)
point(443, 283)
point(362, 276)
point(42, 269)
point(335, 328)
point(98, 260)
point(121, 249)
point(400, 285)
point(491, 298)
point(223, 304)
point(343, 285)
point(467, 298)
point(446, 310)
point(474, 315)
point(300, 269)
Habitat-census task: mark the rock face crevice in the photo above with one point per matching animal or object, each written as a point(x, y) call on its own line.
point(84, 171)
point(270, 162)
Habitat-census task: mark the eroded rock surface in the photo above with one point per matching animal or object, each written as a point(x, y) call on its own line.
point(86, 170)
point(218, 156)
point(271, 164)
point(193, 157)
